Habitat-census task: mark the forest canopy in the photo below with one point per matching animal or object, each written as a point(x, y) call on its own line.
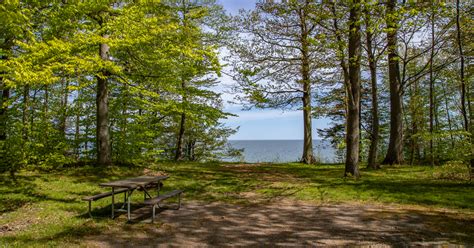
point(126, 81)
point(112, 80)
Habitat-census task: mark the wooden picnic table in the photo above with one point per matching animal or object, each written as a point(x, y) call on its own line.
point(142, 182)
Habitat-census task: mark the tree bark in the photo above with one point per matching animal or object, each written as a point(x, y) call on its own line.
point(190, 150)
point(182, 126)
point(432, 88)
point(102, 102)
point(45, 115)
point(63, 117)
point(179, 155)
point(468, 121)
point(342, 63)
point(3, 113)
point(3, 109)
point(77, 149)
point(461, 73)
point(395, 147)
point(414, 109)
point(308, 156)
point(25, 114)
point(352, 137)
point(46, 104)
point(448, 115)
point(4, 165)
point(374, 134)
point(86, 139)
point(179, 144)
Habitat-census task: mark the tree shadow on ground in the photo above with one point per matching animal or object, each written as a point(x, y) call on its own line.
point(74, 234)
point(267, 220)
point(15, 193)
point(290, 224)
point(407, 189)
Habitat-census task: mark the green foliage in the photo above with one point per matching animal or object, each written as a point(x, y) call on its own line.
point(446, 149)
point(266, 49)
point(52, 62)
point(163, 63)
point(413, 22)
point(452, 171)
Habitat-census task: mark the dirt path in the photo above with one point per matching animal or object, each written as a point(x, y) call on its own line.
point(292, 224)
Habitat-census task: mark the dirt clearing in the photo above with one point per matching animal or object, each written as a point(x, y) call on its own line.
point(288, 223)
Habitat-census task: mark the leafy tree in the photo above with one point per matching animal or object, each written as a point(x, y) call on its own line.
point(123, 58)
point(276, 55)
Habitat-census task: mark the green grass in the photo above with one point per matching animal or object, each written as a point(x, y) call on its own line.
point(45, 209)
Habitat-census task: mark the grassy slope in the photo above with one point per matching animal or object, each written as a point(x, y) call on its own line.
point(40, 208)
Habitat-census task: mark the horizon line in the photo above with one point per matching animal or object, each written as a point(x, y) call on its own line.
point(266, 139)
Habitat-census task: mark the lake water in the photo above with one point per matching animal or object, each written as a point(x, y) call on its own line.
point(281, 151)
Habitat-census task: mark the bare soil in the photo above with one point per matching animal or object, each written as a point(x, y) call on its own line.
point(286, 223)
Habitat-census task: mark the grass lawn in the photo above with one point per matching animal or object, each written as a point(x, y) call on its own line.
point(43, 209)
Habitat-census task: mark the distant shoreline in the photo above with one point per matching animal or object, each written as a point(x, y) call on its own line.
point(281, 151)
point(270, 139)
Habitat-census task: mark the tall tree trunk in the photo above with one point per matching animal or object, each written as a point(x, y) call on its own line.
point(395, 146)
point(45, 117)
point(414, 109)
point(374, 134)
point(179, 144)
point(77, 150)
point(86, 138)
point(46, 103)
point(461, 73)
point(468, 121)
point(123, 120)
point(190, 150)
point(77, 133)
point(4, 165)
point(102, 101)
point(448, 115)
point(25, 114)
point(3, 109)
point(432, 87)
point(182, 126)
point(308, 156)
point(352, 137)
point(342, 62)
point(63, 117)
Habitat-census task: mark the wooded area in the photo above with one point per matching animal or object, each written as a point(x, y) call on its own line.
point(116, 81)
point(121, 81)
point(125, 94)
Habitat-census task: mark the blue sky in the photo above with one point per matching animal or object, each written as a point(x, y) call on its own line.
point(268, 124)
point(233, 6)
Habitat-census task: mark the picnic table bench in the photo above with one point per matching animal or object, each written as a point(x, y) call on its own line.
point(129, 185)
point(155, 202)
point(90, 199)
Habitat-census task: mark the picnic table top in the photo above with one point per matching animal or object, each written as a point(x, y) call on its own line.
point(134, 182)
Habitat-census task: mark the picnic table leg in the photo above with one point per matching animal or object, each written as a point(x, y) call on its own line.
point(128, 207)
point(145, 193)
point(153, 216)
point(124, 200)
point(158, 188)
point(113, 202)
point(90, 214)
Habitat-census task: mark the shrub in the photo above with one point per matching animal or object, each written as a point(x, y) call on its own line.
point(452, 170)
